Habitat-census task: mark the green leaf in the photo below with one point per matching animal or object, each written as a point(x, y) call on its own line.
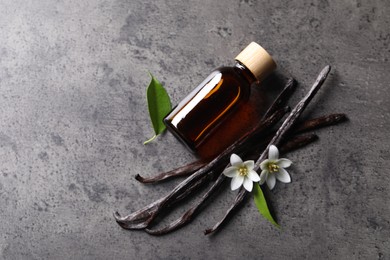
point(159, 105)
point(261, 204)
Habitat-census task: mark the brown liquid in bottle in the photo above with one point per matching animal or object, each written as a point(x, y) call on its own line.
point(217, 97)
point(246, 115)
point(217, 112)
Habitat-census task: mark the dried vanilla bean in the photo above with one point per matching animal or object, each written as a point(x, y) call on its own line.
point(276, 140)
point(188, 216)
point(313, 124)
point(178, 172)
point(139, 219)
point(237, 202)
point(283, 97)
point(296, 142)
point(294, 115)
point(192, 189)
point(143, 218)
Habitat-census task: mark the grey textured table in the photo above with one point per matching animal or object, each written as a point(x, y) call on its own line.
point(73, 76)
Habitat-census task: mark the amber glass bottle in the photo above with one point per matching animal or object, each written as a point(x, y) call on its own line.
point(201, 114)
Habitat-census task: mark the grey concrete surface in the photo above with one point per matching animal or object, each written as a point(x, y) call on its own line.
point(73, 117)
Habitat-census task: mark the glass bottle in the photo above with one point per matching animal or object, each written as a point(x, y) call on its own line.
point(201, 113)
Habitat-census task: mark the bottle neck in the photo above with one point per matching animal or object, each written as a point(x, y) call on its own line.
point(248, 75)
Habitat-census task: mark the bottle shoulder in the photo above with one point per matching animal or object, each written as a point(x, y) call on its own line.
point(239, 74)
point(225, 70)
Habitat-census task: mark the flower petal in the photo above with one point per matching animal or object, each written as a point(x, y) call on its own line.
point(249, 164)
point(273, 153)
point(248, 184)
point(236, 182)
point(235, 160)
point(230, 171)
point(271, 180)
point(263, 177)
point(283, 176)
point(264, 164)
point(253, 176)
point(284, 163)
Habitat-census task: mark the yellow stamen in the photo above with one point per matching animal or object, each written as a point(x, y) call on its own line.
point(272, 167)
point(243, 171)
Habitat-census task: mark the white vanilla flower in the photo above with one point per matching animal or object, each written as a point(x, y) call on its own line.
point(242, 173)
point(273, 168)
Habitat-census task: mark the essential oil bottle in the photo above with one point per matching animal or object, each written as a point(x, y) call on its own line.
point(203, 112)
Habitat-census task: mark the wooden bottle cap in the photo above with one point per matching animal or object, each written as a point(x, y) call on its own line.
point(257, 60)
